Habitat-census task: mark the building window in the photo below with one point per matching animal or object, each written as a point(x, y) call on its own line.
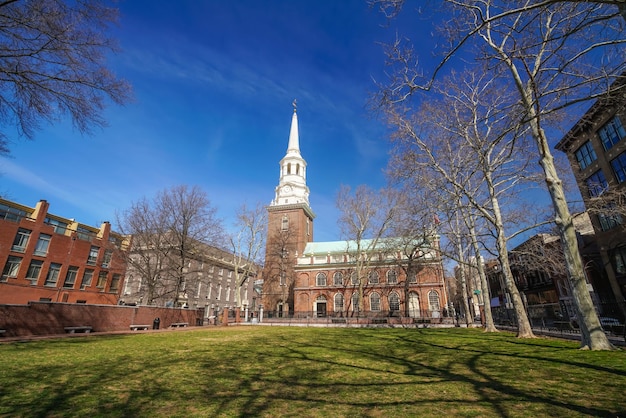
point(375, 302)
point(33, 271)
point(338, 302)
point(619, 260)
point(87, 278)
point(611, 133)
point(12, 267)
point(106, 259)
point(53, 275)
point(285, 223)
point(609, 221)
point(412, 277)
point(373, 277)
point(619, 167)
point(338, 278)
point(585, 155)
point(320, 279)
point(102, 280)
point(355, 302)
point(9, 213)
point(70, 277)
point(394, 302)
point(93, 255)
point(433, 301)
point(43, 243)
point(115, 283)
point(392, 277)
point(596, 184)
point(354, 278)
point(59, 227)
point(21, 240)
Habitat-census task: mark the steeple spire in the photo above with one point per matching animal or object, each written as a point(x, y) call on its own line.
point(292, 188)
point(294, 139)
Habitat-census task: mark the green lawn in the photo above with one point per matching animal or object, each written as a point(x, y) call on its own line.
point(310, 372)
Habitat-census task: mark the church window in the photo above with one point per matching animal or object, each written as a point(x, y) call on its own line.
point(392, 277)
point(394, 302)
point(288, 168)
point(373, 277)
point(354, 278)
point(375, 302)
point(355, 302)
point(321, 279)
point(433, 301)
point(338, 278)
point(285, 223)
point(338, 302)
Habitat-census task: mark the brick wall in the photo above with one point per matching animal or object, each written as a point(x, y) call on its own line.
point(47, 318)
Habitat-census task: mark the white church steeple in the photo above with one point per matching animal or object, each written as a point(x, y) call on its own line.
point(292, 188)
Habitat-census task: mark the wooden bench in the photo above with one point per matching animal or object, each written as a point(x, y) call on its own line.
point(179, 324)
point(139, 327)
point(2, 332)
point(71, 330)
point(338, 320)
point(379, 320)
point(421, 320)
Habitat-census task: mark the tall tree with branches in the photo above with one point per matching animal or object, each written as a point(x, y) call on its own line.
point(555, 55)
point(246, 243)
point(53, 62)
point(178, 225)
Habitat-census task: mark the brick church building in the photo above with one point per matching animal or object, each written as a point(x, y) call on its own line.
point(305, 279)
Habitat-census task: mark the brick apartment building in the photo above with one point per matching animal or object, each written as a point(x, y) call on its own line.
point(45, 257)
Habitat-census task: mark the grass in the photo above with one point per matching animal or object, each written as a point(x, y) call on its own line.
point(310, 372)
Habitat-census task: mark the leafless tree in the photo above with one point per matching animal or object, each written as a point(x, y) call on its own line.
point(177, 226)
point(246, 244)
point(555, 55)
point(465, 139)
point(278, 271)
point(366, 218)
point(52, 62)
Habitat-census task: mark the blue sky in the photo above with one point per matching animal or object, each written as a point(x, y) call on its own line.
point(213, 84)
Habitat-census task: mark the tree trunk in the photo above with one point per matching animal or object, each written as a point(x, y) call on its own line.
point(593, 337)
point(489, 325)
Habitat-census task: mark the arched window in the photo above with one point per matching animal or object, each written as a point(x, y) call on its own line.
point(354, 278)
point(338, 278)
point(355, 302)
point(394, 302)
point(288, 168)
point(374, 302)
point(373, 277)
point(321, 279)
point(285, 223)
point(414, 305)
point(392, 277)
point(433, 301)
point(297, 169)
point(338, 302)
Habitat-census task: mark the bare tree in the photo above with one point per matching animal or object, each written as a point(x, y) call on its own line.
point(465, 139)
point(554, 55)
point(168, 232)
point(246, 244)
point(278, 271)
point(52, 62)
point(366, 217)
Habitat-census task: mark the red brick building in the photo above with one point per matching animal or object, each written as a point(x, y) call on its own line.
point(303, 278)
point(45, 257)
